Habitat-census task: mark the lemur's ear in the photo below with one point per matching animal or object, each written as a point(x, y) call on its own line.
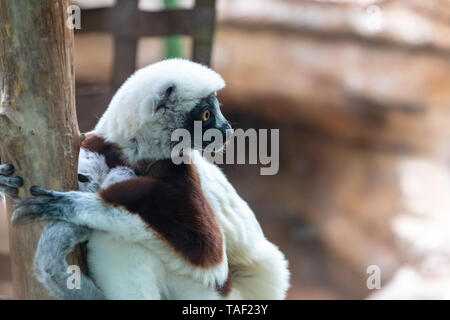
point(165, 97)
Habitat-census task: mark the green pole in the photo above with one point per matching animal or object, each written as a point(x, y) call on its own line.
point(173, 43)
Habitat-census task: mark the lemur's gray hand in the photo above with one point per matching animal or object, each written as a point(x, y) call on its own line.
point(45, 205)
point(9, 185)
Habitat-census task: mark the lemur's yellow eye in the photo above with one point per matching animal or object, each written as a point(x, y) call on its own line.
point(206, 114)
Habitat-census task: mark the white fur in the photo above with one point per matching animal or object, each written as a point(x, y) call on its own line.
point(248, 250)
point(92, 165)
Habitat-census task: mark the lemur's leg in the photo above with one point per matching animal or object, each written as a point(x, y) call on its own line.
point(260, 274)
point(82, 209)
point(9, 185)
point(57, 240)
point(259, 269)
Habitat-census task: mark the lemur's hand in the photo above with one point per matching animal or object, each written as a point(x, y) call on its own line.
point(9, 185)
point(45, 205)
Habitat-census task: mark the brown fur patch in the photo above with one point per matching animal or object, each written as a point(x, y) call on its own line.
point(111, 151)
point(225, 289)
point(170, 200)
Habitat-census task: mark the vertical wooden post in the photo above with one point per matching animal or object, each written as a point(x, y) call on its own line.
point(38, 126)
point(203, 25)
point(125, 46)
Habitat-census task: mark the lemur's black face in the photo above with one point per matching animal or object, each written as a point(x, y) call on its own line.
point(207, 111)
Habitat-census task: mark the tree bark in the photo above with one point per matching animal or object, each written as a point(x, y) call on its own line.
point(38, 126)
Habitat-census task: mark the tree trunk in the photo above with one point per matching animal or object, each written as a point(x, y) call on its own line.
point(38, 126)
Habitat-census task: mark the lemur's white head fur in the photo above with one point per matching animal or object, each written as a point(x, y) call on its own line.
point(153, 102)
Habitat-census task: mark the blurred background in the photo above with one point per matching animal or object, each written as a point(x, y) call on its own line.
point(360, 90)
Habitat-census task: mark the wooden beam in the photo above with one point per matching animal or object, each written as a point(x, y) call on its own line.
point(203, 25)
point(125, 46)
point(144, 24)
point(128, 24)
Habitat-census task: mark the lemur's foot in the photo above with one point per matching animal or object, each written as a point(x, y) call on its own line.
point(45, 205)
point(9, 185)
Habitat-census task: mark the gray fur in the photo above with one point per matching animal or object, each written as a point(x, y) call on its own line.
point(12, 192)
point(14, 182)
point(60, 236)
point(72, 206)
point(9, 185)
point(116, 175)
point(6, 169)
point(57, 241)
point(46, 205)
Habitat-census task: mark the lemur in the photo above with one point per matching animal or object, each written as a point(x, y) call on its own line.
point(154, 229)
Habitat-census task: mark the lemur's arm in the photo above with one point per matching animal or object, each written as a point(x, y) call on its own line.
point(83, 209)
point(59, 238)
point(146, 210)
point(57, 241)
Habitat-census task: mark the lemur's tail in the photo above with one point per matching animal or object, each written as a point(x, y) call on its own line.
point(63, 282)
